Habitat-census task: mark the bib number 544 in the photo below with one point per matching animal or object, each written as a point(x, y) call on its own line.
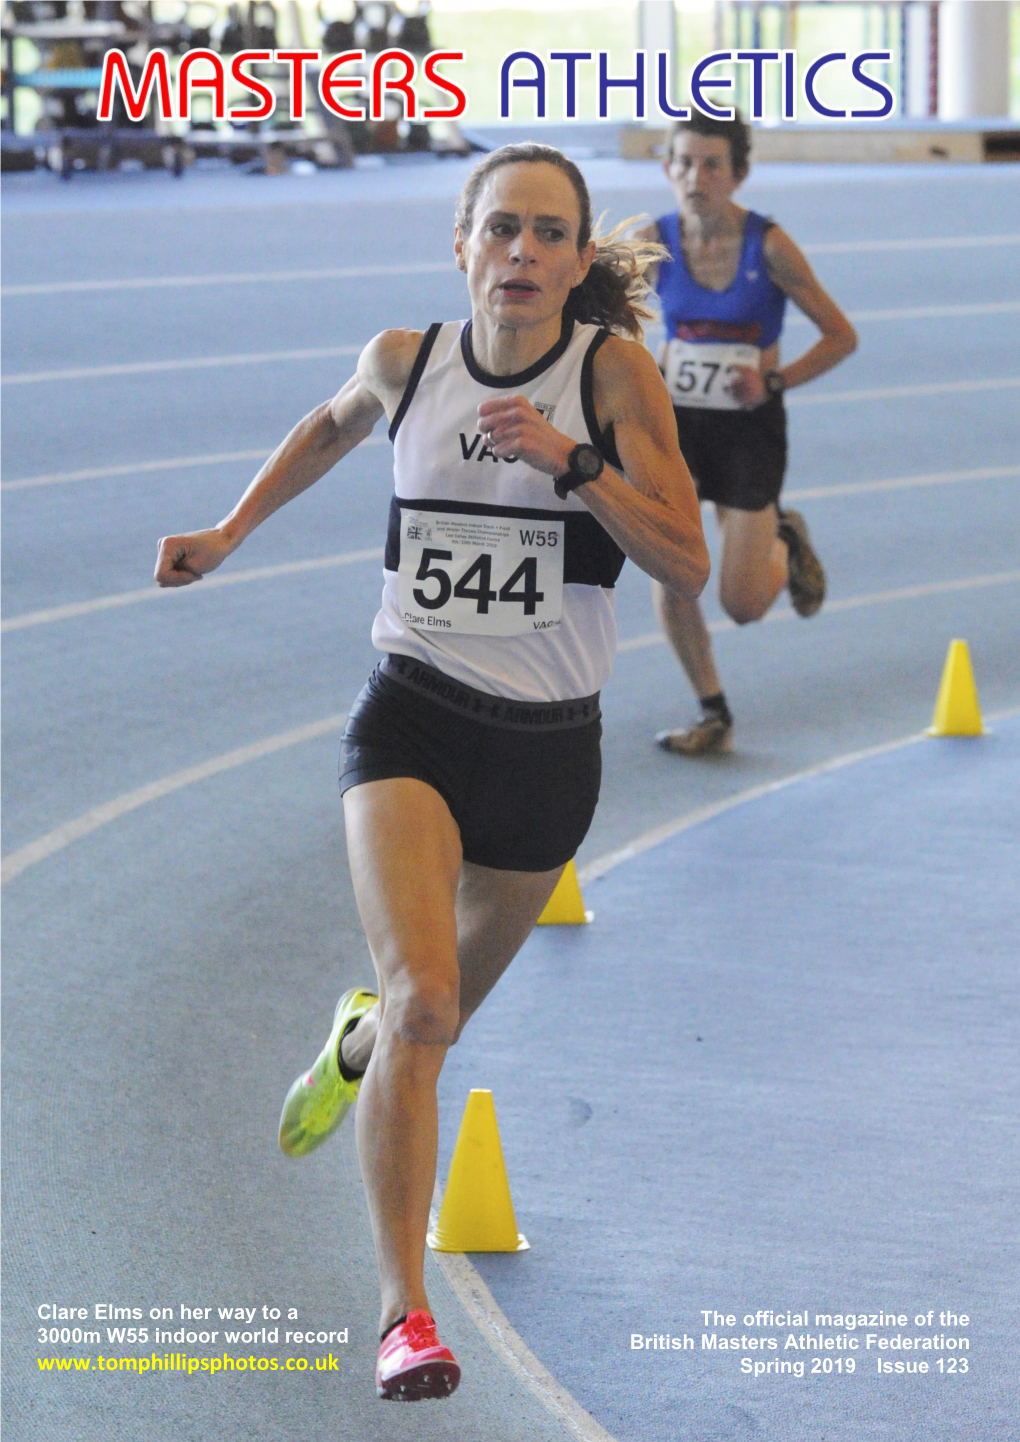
point(475, 584)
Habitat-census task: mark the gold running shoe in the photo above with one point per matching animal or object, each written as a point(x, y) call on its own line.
point(806, 583)
point(712, 734)
point(320, 1099)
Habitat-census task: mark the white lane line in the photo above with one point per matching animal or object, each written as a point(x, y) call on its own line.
point(900, 483)
point(128, 368)
point(888, 393)
point(132, 468)
point(208, 583)
point(928, 588)
point(845, 603)
point(931, 242)
point(61, 836)
point(469, 1288)
point(438, 267)
point(244, 277)
point(594, 869)
point(73, 609)
point(209, 362)
point(924, 312)
point(849, 488)
point(139, 468)
point(328, 352)
point(18, 861)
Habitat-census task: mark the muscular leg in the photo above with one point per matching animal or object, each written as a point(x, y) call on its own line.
point(414, 897)
point(752, 573)
point(683, 623)
point(496, 913)
point(753, 569)
point(404, 850)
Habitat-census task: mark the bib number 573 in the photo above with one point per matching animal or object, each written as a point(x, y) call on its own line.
point(687, 377)
point(701, 374)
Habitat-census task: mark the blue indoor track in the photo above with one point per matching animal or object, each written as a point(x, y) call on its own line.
point(773, 1074)
point(793, 1087)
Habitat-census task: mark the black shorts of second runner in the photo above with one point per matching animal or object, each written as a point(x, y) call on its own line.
point(521, 779)
point(737, 458)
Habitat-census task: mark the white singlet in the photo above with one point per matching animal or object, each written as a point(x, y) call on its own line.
point(488, 575)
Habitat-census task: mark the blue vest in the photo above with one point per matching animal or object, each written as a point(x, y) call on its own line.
point(749, 311)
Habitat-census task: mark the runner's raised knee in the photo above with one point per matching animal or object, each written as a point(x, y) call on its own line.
point(423, 1009)
point(742, 608)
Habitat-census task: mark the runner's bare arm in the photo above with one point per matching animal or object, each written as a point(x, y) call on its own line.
point(652, 510)
point(789, 268)
point(314, 446)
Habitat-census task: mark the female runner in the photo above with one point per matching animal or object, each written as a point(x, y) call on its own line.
point(723, 291)
point(534, 447)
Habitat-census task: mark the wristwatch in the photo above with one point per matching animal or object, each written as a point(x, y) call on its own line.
point(585, 464)
point(775, 382)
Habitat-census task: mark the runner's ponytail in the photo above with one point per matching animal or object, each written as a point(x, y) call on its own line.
point(613, 292)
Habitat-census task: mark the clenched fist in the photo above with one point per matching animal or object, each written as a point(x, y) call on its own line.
point(183, 559)
point(515, 428)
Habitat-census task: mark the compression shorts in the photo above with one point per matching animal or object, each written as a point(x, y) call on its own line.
point(521, 779)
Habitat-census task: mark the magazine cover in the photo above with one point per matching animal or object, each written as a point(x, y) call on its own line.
point(512, 720)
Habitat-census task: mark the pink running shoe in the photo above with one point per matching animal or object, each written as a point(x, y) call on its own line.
point(413, 1364)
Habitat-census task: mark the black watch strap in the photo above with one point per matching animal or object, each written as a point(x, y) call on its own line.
point(585, 464)
point(775, 382)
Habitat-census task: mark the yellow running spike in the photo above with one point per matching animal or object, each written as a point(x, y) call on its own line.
point(566, 905)
point(477, 1214)
point(957, 712)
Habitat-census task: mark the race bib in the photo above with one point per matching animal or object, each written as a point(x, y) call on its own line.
point(482, 575)
point(699, 373)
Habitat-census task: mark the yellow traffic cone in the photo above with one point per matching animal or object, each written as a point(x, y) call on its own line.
point(566, 905)
point(477, 1214)
point(957, 712)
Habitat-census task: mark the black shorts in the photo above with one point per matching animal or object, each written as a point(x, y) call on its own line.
point(737, 458)
point(521, 779)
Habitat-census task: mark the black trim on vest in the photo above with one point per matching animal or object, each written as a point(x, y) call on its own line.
point(602, 440)
point(522, 377)
point(590, 555)
point(428, 340)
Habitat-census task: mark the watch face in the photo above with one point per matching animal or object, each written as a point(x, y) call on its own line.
point(588, 461)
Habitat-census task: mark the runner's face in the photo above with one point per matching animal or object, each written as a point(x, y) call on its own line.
point(700, 171)
point(521, 256)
